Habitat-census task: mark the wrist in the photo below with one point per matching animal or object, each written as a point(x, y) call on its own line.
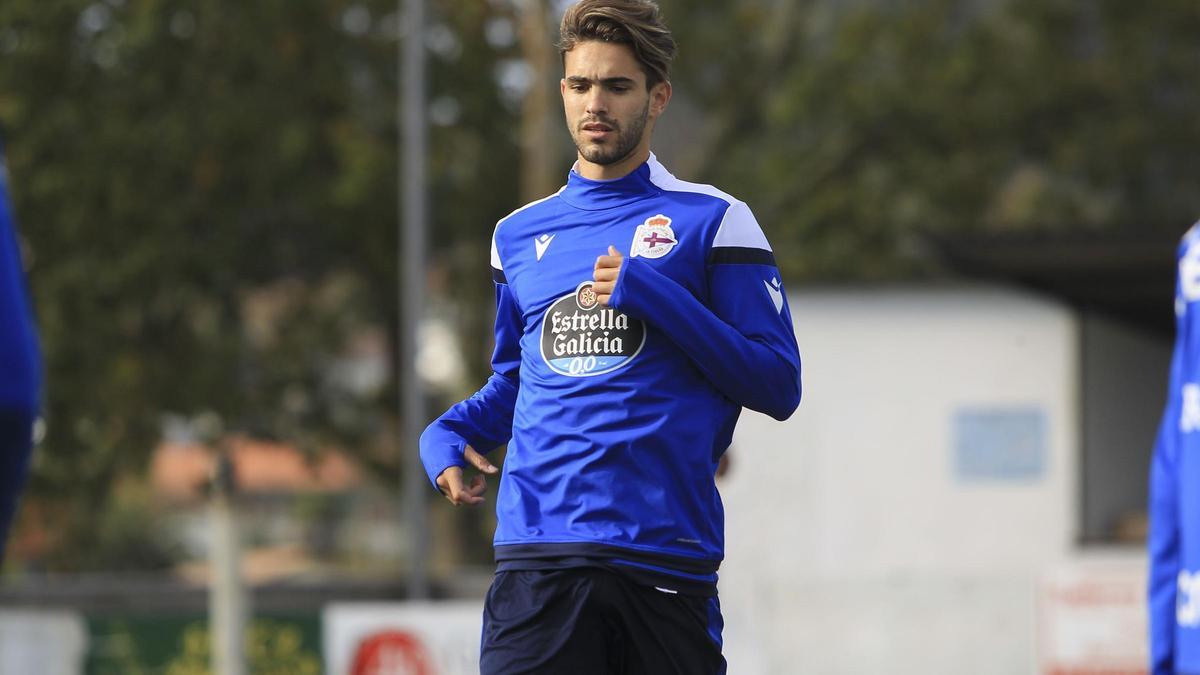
point(620, 298)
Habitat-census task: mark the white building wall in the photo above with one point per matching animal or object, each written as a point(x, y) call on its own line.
point(853, 543)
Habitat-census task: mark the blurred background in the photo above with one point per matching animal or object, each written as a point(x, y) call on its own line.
point(974, 203)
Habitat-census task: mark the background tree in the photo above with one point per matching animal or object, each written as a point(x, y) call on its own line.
point(208, 195)
point(854, 127)
point(208, 190)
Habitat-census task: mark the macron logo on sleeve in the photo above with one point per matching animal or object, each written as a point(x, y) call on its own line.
point(775, 288)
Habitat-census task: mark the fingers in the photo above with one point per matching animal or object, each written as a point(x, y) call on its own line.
point(604, 291)
point(477, 488)
point(450, 482)
point(605, 273)
point(608, 262)
point(478, 461)
point(613, 259)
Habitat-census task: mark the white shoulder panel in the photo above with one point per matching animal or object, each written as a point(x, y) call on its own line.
point(495, 252)
point(738, 228)
point(665, 180)
point(1189, 268)
point(1192, 234)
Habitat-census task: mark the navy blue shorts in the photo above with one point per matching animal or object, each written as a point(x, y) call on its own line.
point(587, 620)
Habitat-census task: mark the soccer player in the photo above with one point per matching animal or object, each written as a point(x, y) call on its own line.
point(19, 368)
point(1174, 541)
point(637, 314)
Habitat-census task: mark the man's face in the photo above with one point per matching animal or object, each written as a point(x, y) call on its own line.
point(609, 112)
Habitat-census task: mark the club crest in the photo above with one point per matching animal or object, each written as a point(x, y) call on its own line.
point(653, 238)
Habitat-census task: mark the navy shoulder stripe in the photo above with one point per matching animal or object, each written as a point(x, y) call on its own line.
point(740, 255)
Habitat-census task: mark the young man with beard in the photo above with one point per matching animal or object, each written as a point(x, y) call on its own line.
point(637, 314)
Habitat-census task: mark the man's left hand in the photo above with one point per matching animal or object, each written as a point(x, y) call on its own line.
point(608, 268)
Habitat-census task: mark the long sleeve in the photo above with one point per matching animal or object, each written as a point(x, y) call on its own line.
point(1181, 419)
point(20, 362)
point(742, 340)
point(20, 369)
point(483, 421)
point(1163, 538)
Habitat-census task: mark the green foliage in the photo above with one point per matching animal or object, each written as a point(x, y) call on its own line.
point(181, 645)
point(130, 535)
point(208, 191)
point(853, 127)
point(271, 649)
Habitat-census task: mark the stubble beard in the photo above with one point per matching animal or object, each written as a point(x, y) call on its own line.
point(624, 144)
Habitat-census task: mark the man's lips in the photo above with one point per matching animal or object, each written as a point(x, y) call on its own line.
point(596, 131)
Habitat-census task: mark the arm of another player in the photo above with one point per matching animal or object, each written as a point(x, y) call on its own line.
point(482, 422)
point(1162, 542)
point(20, 369)
point(742, 340)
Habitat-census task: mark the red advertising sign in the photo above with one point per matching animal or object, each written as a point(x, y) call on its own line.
point(1092, 619)
point(391, 652)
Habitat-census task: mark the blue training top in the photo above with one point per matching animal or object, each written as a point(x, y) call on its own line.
point(20, 371)
point(1174, 539)
point(618, 415)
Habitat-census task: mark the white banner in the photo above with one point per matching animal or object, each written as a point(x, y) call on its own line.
point(41, 642)
point(408, 638)
point(1092, 619)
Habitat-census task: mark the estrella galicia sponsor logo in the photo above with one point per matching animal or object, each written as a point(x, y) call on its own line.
point(580, 337)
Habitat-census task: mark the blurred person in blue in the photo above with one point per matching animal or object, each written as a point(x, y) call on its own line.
point(20, 370)
point(637, 314)
point(1174, 539)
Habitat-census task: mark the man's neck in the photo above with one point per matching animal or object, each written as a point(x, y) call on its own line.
point(615, 170)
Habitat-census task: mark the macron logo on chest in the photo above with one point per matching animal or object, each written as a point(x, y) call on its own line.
point(540, 244)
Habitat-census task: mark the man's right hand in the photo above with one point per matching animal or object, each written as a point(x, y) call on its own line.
point(450, 481)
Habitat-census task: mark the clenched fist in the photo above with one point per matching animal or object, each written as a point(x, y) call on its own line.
point(608, 268)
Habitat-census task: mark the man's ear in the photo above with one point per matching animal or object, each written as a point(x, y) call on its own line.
point(660, 96)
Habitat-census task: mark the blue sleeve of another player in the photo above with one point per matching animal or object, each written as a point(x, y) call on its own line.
point(483, 421)
point(742, 341)
point(20, 362)
point(20, 368)
point(1162, 542)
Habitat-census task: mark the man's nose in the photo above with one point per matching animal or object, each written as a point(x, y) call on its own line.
point(597, 102)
